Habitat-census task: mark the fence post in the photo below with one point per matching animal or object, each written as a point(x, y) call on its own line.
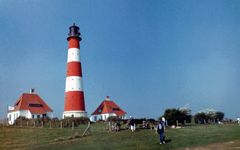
point(50, 125)
point(27, 123)
point(87, 129)
point(109, 126)
point(42, 124)
point(177, 122)
point(72, 125)
point(6, 123)
point(34, 124)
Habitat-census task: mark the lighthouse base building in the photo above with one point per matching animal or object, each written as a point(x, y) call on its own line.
point(107, 109)
point(74, 114)
point(29, 105)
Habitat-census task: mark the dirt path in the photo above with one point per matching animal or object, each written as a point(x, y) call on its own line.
point(231, 145)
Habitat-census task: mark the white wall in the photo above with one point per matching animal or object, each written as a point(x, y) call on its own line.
point(50, 114)
point(101, 116)
point(25, 113)
point(12, 116)
point(74, 114)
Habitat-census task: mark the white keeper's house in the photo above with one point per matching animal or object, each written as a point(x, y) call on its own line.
point(106, 109)
point(29, 105)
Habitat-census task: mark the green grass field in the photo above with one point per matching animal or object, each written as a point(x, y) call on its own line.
point(45, 138)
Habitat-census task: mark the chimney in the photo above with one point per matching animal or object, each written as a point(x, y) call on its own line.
point(32, 91)
point(107, 98)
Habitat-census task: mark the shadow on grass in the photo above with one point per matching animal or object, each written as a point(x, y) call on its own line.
point(168, 140)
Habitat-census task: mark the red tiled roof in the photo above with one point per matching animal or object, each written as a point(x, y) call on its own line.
point(33, 103)
point(35, 110)
point(108, 106)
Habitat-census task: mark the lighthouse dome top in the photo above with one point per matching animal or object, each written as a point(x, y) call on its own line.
point(74, 32)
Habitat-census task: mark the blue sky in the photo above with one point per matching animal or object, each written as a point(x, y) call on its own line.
point(146, 55)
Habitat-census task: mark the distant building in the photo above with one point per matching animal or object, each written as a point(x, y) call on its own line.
point(29, 105)
point(106, 109)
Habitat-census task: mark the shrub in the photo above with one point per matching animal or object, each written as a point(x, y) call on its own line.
point(114, 119)
point(21, 121)
point(67, 122)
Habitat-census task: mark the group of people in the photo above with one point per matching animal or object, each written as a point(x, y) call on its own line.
point(113, 126)
point(160, 128)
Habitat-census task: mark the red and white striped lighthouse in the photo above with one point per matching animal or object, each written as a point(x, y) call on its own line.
point(74, 95)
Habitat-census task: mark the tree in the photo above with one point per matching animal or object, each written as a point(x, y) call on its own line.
point(200, 118)
point(219, 116)
point(170, 116)
point(185, 115)
point(208, 117)
point(181, 115)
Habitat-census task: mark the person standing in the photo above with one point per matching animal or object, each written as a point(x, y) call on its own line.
point(161, 129)
point(132, 124)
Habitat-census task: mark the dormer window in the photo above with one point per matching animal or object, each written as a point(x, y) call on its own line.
point(100, 110)
point(115, 109)
point(35, 105)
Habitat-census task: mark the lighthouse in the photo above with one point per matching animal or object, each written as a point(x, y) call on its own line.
point(74, 95)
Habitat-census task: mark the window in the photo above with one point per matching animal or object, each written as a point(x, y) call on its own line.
point(32, 116)
point(115, 109)
point(95, 118)
point(100, 110)
point(35, 105)
point(38, 116)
